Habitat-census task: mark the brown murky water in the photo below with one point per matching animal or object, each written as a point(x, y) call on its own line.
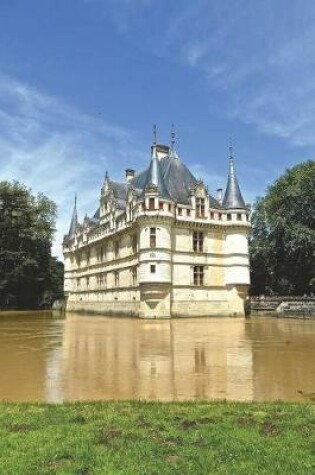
point(47, 358)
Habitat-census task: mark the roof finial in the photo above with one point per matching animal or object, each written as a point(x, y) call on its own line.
point(173, 135)
point(231, 154)
point(75, 201)
point(154, 134)
point(172, 148)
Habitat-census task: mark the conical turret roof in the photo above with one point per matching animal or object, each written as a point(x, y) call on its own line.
point(154, 176)
point(233, 197)
point(74, 220)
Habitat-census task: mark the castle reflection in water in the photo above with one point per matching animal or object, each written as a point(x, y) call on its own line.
point(43, 358)
point(105, 358)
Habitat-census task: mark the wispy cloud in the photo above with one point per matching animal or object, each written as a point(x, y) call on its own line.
point(55, 149)
point(259, 55)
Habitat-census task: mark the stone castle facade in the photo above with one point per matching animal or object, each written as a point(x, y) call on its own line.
point(160, 245)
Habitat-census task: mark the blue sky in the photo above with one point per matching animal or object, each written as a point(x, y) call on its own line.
point(82, 82)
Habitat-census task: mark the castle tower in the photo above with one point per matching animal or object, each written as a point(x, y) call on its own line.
point(237, 274)
point(155, 238)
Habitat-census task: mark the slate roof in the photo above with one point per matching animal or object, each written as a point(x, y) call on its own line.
point(74, 221)
point(120, 193)
point(154, 177)
point(178, 180)
point(174, 181)
point(233, 197)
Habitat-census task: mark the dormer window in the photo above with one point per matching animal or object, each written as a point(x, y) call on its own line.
point(161, 205)
point(200, 207)
point(151, 203)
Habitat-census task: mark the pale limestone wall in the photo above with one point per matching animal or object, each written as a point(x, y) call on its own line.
point(215, 242)
point(112, 301)
point(170, 290)
point(183, 240)
point(162, 274)
point(237, 258)
point(163, 235)
point(155, 303)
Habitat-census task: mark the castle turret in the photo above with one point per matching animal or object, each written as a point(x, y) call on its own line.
point(237, 277)
point(155, 231)
point(74, 220)
point(233, 197)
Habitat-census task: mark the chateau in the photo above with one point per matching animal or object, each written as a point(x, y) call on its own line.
point(159, 245)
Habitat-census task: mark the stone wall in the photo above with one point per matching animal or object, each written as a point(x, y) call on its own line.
point(286, 306)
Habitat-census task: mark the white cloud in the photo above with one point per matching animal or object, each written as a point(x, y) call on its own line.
point(195, 51)
point(55, 149)
point(258, 55)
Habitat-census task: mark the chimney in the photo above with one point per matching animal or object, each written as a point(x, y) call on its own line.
point(130, 173)
point(161, 150)
point(219, 195)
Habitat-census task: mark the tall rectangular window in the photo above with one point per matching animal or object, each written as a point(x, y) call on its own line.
point(198, 275)
point(134, 275)
point(200, 207)
point(87, 282)
point(134, 243)
point(116, 248)
point(151, 203)
point(198, 241)
point(116, 278)
point(161, 205)
point(152, 238)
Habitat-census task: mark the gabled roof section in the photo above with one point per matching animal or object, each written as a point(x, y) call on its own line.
point(175, 179)
point(120, 193)
point(233, 197)
point(178, 179)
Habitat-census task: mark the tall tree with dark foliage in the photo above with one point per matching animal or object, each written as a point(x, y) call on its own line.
point(27, 269)
point(283, 239)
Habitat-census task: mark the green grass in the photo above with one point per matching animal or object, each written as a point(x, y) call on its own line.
point(157, 438)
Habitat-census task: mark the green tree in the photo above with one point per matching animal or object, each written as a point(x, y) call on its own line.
point(27, 225)
point(282, 246)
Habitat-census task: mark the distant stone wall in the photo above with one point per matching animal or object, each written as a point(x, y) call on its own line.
point(287, 306)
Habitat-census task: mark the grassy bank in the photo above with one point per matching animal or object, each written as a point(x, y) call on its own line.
point(152, 438)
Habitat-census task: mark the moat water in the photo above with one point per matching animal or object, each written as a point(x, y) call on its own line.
point(47, 357)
